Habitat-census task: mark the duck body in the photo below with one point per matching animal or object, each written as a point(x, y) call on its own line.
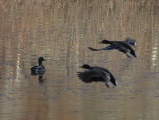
point(97, 74)
point(129, 41)
point(121, 46)
point(38, 70)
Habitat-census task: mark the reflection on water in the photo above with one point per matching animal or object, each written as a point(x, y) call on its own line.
point(61, 31)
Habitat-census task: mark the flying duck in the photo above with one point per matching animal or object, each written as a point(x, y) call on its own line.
point(38, 70)
point(96, 74)
point(122, 46)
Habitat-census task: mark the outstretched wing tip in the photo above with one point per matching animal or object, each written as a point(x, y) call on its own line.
point(93, 49)
point(84, 76)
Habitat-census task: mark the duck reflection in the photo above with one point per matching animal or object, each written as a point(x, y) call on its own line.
point(39, 70)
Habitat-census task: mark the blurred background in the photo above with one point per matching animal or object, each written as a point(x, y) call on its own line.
point(61, 32)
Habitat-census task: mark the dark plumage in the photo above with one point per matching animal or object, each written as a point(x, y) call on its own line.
point(38, 70)
point(97, 74)
point(122, 46)
point(130, 41)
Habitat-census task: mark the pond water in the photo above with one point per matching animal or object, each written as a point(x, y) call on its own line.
point(61, 32)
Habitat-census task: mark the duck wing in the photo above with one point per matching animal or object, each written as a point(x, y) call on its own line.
point(41, 67)
point(111, 47)
point(34, 67)
point(89, 76)
point(94, 49)
point(38, 70)
point(124, 46)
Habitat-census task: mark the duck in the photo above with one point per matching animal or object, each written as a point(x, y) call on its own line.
point(122, 46)
point(38, 70)
point(97, 74)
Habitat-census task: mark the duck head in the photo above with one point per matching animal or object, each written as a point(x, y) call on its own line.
point(86, 66)
point(40, 60)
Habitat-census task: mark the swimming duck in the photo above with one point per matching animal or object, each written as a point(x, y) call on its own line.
point(121, 46)
point(97, 74)
point(38, 70)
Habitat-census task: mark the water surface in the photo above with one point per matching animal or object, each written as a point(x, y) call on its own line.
point(61, 31)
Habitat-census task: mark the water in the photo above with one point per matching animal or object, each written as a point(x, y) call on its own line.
point(61, 31)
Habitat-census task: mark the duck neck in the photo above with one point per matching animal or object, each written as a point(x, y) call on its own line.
point(88, 67)
point(40, 63)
